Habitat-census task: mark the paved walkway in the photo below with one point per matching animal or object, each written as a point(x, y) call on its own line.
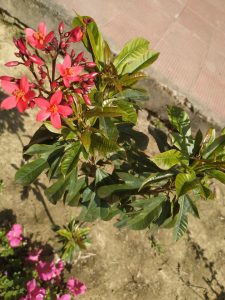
point(190, 35)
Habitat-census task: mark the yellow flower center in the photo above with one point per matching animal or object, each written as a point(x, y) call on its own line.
point(19, 94)
point(54, 108)
point(39, 36)
point(69, 71)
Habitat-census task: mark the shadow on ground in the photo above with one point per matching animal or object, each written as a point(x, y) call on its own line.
point(11, 120)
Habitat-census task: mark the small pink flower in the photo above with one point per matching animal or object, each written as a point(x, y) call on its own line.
point(64, 297)
point(59, 267)
point(39, 39)
point(14, 235)
point(46, 270)
point(53, 109)
point(69, 73)
point(34, 291)
point(76, 287)
point(34, 255)
point(21, 95)
point(76, 35)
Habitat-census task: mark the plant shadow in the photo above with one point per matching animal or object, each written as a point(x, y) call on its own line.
point(11, 120)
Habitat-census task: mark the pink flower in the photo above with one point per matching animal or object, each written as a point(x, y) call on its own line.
point(76, 287)
point(21, 94)
point(14, 235)
point(46, 270)
point(34, 255)
point(68, 73)
point(34, 292)
point(39, 39)
point(53, 109)
point(64, 297)
point(76, 35)
point(59, 267)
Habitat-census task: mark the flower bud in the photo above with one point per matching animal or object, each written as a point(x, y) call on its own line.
point(69, 99)
point(91, 64)
point(27, 63)
point(93, 74)
point(78, 91)
point(67, 34)
point(62, 44)
point(76, 35)
point(17, 54)
point(36, 60)
point(79, 57)
point(54, 84)
point(85, 76)
point(61, 27)
point(12, 64)
point(72, 53)
point(87, 100)
point(7, 78)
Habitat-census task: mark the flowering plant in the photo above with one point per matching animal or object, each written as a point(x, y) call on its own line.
point(87, 145)
point(26, 274)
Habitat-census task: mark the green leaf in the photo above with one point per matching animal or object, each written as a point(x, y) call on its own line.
point(86, 139)
point(74, 188)
point(141, 62)
point(55, 192)
point(184, 182)
point(131, 51)
point(150, 214)
point(102, 145)
point(70, 158)
point(154, 177)
point(197, 142)
point(219, 175)
point(51, 128)
point(130, 79)
point(104, 112)
point(129, 112)
point(186, 206)
point(100, 175)
point(109, 128)
point(208, 151)
point(134, 94)
point(29, 172)
point(181, 122)
point(168, 159)
point(97, 208)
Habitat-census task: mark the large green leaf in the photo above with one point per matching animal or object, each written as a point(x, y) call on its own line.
point(111, 112)
point(74, 187)
point(97, 208)
point(70, 158)
point(109, 128)
point(131, 51)
point(186, 206)
point(219, 175)
point(185, 182)
point(181, 122)
point(102, 145)
point(40, 149)
point(56, 191)
point(168, 159)
point(141, 62)
point(133, 94)
point(154, 177)
point(130, 79)
point(148, 215)
point(129, 112)
point(29, 172)
point(208, 151)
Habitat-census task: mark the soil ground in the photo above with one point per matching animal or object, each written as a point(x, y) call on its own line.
point(119, 264)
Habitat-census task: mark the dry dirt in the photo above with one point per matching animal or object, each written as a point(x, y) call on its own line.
point(119, 264)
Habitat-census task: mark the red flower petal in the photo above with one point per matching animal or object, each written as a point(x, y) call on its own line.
point(9, 102)
point(30, 95)
point(43, 115)
point(42, 28)
point(56, 98)
point(65, 110)
point(9, 87)
point(56, 121)
point(61, 69)
point(24, 85)
point(66, 82)
point(42, 103)
point(49, 37)
point(21, 106)
point(67, 61)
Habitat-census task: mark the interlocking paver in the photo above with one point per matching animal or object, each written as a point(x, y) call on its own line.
point(190, 34)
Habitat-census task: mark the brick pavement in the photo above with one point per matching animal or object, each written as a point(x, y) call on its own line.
point(190, 35)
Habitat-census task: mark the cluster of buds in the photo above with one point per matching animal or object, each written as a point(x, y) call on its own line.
point(55, 86)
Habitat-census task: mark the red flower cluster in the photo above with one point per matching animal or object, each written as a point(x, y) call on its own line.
point(75, 74)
